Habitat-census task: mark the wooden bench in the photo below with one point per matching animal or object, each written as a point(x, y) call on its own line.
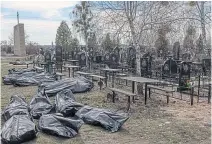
point(128, 94)
point(28, 63)
point(59, 75)
point(168, 91)
point(83, 73)
point(118, 75)
point(38, 68)
point(101, 78)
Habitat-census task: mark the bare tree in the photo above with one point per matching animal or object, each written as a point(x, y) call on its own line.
point(83, 22)
point(136, 20)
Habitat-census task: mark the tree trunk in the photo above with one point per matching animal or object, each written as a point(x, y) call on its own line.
point(86, 50)
point(135, 43)
point(203, 27)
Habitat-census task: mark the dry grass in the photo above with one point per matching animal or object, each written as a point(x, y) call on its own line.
point(156, 122)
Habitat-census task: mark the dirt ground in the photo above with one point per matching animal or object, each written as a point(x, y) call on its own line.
point(155, 123)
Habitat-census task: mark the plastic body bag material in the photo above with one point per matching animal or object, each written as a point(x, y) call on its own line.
point(59, 126)
point(34, 80)
point(18, 129)
point(66, 104)
point(40, 105)
point(18, 62)
point(20, 71)
point(76, 85)
point(101, 117)
point(11, 78)
point(17, 106)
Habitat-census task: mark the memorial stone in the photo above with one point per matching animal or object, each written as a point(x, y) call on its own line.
point(184, 76)
point(19, 40)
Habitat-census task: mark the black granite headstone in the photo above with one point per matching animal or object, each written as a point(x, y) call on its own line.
point(82, 59)
point(184, 76)
point(206, 66)
point(176, 51)
point(169, 68)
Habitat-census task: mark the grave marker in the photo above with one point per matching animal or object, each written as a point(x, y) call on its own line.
point(169, 68)
point(131, 57)
point(59, 57)
point(176, 51)
point(48, 62)
point(186, 57)
point(206, 66)
point(144, 66)
point(184, 76)
point(82, 59)
point(107, 58)
point(113, 61)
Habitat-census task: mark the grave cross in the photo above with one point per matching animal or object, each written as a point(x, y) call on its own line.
point(18, 17)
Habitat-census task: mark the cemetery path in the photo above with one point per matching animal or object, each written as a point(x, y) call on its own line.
point(155, 123)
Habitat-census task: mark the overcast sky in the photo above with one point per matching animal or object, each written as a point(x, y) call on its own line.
point(41, 19)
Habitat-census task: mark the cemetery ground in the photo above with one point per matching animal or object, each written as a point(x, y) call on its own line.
point(157, 122)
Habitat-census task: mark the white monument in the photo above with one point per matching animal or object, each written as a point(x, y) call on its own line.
point(19, 39)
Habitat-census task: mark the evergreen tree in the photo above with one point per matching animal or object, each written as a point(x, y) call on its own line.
point(107, 43)
point(63, 36)
point(92, 42)
point(162, 43)
point(74, 44)
point(188, 42)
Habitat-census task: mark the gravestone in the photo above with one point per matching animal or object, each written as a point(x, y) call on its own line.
point(59, 54)
point(169, 68)
point(144, 66)
point(59, 57)
point(113, 61)
point(116, 50)
point(107, 58)
point(184, 76)
point(131, 57)
point(90, 54)
point(186, 57)
point(82, 59)
point(99, 59)
point(75, 55)
point(206, 66)
point(123, 56)
point(48, 62)
point(176, 51)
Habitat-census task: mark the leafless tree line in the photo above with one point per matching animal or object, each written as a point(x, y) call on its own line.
point(138, 22)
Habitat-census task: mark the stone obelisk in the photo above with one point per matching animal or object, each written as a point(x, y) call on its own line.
point(19, 39)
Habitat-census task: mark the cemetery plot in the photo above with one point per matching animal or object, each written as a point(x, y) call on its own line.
point(95, 99)
point(129, 72)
